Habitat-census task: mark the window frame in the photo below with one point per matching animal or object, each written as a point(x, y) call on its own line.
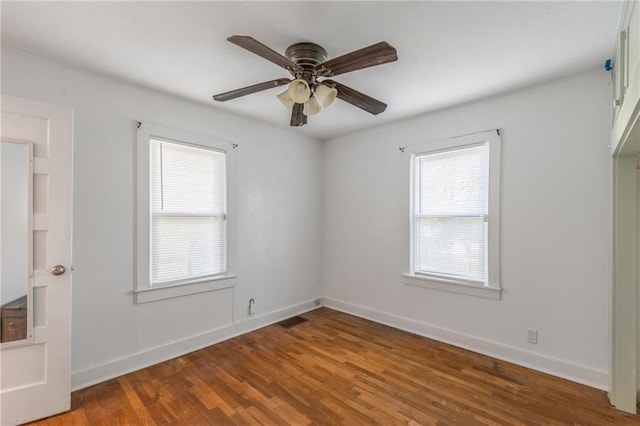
point(491, 288)
point(144, 290)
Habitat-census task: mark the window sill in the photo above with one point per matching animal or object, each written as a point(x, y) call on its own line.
point(151, 294)
point(451, 286)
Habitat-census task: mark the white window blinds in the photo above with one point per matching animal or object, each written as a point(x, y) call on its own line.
point(451, 213)
point(188, 212)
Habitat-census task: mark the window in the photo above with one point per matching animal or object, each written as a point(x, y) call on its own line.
point(455, 214)
point(188, 212)
point(184, 231)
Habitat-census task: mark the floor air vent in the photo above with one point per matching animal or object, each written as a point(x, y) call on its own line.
point(290, 322)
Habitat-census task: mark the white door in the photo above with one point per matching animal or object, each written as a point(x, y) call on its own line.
point(35, 372)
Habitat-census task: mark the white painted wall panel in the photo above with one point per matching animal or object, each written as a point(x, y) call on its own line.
point(555, 227)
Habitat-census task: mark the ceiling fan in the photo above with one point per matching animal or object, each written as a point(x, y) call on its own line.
point(306, 62)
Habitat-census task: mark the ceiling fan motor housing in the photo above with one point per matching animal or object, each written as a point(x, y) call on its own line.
point(307, 56)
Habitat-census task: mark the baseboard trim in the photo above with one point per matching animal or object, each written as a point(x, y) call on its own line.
point(262, 320)
point(99, 373)
point(557, 367)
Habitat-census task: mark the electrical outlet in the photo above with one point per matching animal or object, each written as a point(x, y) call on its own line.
point(532, 335)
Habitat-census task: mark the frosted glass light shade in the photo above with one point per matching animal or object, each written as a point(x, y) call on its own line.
point(299, 91)
point(286, 99)
point(326, 95)
point(312, 106)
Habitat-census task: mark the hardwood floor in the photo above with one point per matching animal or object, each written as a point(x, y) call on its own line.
point(338, 369)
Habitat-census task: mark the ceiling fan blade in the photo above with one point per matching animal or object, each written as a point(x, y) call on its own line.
point(232, 94)
point(358, 99)
point(254, 46)
point(376, 54)
point(297, 115)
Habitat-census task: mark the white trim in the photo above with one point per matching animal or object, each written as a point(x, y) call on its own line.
point(144, 291)
point(262, 320)
point(151, 294)
point(625, 146)
point(623, 291)
point(119, 366)
point(493, 141)
point(566, 369)
point(452, 286)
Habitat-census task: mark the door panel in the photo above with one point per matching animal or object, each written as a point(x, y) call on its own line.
point(35, 379)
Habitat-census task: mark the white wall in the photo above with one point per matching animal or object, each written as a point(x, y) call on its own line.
point(279, 190)
point(15, 221)
point(555, 239)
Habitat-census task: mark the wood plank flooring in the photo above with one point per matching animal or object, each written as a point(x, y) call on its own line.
point(338, 369)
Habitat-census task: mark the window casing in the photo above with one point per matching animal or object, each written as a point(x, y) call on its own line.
point(454, 214)
point(185, 227)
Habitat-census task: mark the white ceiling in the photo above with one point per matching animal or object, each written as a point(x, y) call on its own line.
point(449, 52)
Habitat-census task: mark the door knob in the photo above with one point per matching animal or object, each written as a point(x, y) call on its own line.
point(58, 270)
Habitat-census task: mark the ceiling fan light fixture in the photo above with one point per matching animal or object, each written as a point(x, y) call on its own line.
point(312, 106)
point(299, 91)
point(325, 94)
point(307, 62)
point(286, 100)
